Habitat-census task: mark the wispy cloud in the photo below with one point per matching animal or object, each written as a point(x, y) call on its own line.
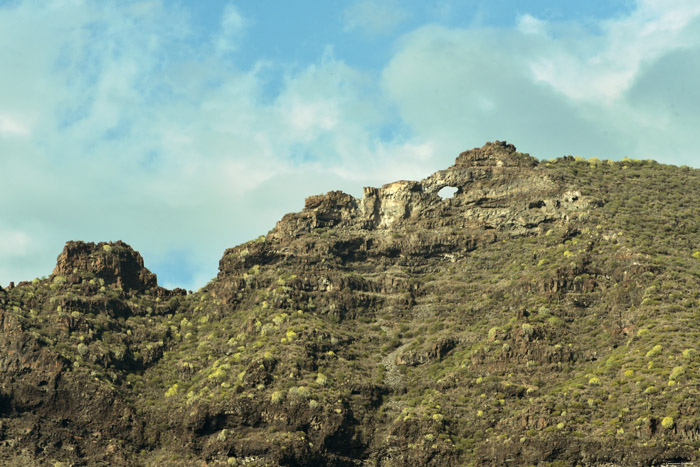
point(605, 65)
point(528, 24)
point(553, 87)
point(374, 17)
point(12, 127)
point(232, 29)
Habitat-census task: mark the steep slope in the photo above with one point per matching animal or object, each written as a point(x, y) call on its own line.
point(547, 313)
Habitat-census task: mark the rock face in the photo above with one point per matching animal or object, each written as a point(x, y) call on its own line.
point(535, 317)
point(44, 406)
point(115, 263)
point(494, 155)
point(499, 194)
point(496, 187)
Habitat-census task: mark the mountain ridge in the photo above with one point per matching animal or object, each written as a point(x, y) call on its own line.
point(546, 314)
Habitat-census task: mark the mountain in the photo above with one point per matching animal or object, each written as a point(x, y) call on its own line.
point(547, 313)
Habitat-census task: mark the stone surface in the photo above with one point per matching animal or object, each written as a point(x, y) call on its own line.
point(114, 262)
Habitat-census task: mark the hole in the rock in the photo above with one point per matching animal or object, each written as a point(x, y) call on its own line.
point(447, 192)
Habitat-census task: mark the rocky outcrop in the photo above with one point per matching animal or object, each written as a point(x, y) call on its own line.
point(495, 154)
point(116, 263)
point(497, 187)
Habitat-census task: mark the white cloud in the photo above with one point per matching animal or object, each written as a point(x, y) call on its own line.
point(458, 88)
point(232, 28)
point(374, 17)
point(608, 69)
point(562, 90)
point(528, 24)
point(12, 127)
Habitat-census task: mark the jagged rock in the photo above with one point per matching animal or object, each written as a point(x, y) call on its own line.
point(498, 190)
point(116, 263)
point(496, 154)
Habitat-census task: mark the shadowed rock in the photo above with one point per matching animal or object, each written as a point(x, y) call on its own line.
point(114, 262)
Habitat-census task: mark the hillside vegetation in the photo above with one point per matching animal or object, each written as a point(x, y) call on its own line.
point(546, 314)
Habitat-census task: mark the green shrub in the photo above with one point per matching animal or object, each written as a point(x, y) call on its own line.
point(59, 280)
point(299, 392)
point(276, 397)
point(656, 350)
point(677, 372)
point(172, 391)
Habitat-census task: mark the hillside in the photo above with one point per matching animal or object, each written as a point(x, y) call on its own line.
point(546, 314)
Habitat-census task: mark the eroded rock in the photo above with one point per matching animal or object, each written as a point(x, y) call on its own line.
point(114, 262)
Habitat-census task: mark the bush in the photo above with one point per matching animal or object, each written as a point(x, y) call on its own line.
point(656, 350)
point(676, 373)
point(59, 280)
point(172, 391)
point(300, 392)
point(277, 397)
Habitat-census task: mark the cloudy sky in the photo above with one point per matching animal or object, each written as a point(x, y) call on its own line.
point(184, 128)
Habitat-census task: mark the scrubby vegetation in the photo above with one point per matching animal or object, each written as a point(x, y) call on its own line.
point(450, 338)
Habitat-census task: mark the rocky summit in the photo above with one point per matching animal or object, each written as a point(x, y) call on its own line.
point(546, 313)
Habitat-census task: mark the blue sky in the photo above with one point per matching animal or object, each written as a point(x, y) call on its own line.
point(184, 128)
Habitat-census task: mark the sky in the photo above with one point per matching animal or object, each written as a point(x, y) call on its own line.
point(184, 128)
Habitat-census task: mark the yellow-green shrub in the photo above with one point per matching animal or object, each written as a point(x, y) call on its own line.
point(656, 350)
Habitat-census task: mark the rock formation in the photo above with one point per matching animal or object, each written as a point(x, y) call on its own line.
point(535, 317)
point(115, 263)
